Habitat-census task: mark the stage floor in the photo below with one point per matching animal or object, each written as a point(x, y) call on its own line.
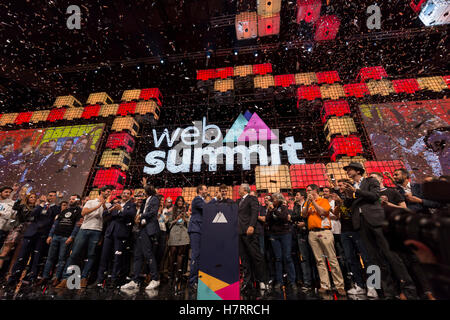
point(166, 291)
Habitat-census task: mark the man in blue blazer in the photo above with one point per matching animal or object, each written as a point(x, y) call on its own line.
point(146, 243)
point(116, 235)
point(34, 238)
point(194, 230)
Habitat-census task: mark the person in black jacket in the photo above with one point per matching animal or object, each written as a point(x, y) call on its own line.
point(116, 236)
point(281, 240)
point(368, 217)
point(251, 258)
point(24, 206)
point(146, 242)
point(35, 237)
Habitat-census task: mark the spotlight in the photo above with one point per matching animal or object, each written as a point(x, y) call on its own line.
point(162, 61)
point(255, 53)
point(208, 54)
point(138, 67)
point(235, 52)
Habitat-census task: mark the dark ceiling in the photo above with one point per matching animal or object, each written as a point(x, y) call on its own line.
point(116, 33)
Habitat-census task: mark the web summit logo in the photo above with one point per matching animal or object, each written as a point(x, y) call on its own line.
point(249, 138)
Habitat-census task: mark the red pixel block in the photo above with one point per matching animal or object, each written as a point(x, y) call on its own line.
point(347, 146)
point(405, 85)
point(262, 69)
point(110, 177)
point(308, 10)
point(151, 93)
point(337, 108)
point(206, 74)
point(327, 28)
point(376, 73)
point(23, 117)
point(224, 73)
point(308, 92)
point(91, 111)
point(236, 191)
point(327, 77)
point(303, 175)
point(56, 114)
point(284, 80)
point(120, 140)
point(383, 166)
point(173, 193)
point(356, 89)
point(268, 26)
point(126, 108)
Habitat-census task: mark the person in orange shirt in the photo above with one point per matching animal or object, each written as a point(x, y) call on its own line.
point(321, 239)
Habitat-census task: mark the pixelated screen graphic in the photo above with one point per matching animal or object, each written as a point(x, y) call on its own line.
point(56, 158)
point(418, 132)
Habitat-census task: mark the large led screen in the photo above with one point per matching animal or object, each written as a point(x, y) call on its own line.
point(42, 160)
point(417, 132)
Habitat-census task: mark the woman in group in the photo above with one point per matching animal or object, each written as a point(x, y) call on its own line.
point(24, 206)
point(178, 237)
point(281, 240)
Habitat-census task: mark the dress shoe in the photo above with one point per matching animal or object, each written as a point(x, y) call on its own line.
point(62, 284)
point(41, 282)
point(83, 283)
point(341, 292)
point(322, 290)
point(292, 287)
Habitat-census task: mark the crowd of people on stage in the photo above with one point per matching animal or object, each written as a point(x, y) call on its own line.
point(320, 239)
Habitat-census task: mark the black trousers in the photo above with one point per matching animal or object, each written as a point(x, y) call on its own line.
point(113, 249)
point(251, 259)
point(31, 247)
point(380, 253)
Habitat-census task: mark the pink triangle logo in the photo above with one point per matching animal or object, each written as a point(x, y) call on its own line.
point(256, 130)
point(230, 292)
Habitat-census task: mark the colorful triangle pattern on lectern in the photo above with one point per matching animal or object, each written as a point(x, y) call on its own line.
point(256, 130)
point(211, 288)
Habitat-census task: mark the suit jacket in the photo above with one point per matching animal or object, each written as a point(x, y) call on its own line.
point(42, 222)
point(416, 190)
point(195, 223)
point(247, 213)
point(121, 221)
point(150, 215)
point(367, 203)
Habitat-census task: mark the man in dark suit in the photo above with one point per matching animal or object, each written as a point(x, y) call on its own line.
point(146, 242)
point(249, 250)
point(368, 217)
point(34, 238)
point(195, 231)
point(116, 236)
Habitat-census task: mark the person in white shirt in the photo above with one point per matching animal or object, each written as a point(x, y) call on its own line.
point(6, 213)
point(89, 235)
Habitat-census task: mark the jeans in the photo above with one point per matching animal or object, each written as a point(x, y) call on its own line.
point(351, 241)
point(261, 242)
point(306, 260)
point(31, 250)
point(58, 249)
point(85, 237)
point(281, 244)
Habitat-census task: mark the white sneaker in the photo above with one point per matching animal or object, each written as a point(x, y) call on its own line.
point(152, 285)
point(262, 286)
point(372, 293)
point(130, 286)
point(356, 290)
